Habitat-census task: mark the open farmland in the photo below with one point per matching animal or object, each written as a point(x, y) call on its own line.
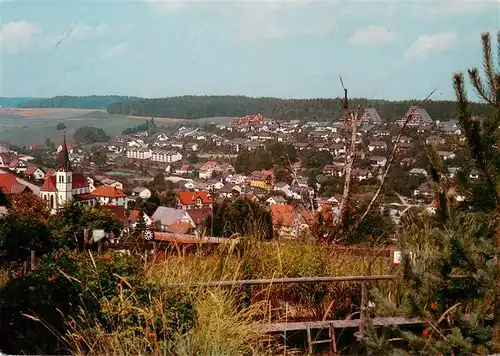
point(24, 127)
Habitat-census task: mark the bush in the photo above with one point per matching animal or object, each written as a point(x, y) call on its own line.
point(37, 310)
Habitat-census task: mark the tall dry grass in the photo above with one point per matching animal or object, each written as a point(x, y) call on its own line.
point(259, 260)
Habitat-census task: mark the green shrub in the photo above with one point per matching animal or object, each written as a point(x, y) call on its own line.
point(69, 289)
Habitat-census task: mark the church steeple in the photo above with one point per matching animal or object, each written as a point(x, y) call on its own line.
point(63, 159)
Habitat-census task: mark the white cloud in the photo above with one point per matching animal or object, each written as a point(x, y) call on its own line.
point(18, 36)
point(427, 45)
point(372, 35)
point(112, 52)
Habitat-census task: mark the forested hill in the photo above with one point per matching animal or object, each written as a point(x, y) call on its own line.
point(192, 107)
point(14, 102)
point(76, 102)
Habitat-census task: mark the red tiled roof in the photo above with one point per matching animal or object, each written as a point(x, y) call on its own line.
point(118, 211)
point(282, 215)
point(49, 184)
point(85, 196)
point(108, 192)
point(199, 216)
point(78, 181)
point(10, 185)
point(179, 227)
point(30, 170)
point(189, 198)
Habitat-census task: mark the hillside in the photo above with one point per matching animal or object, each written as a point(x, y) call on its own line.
point(193, 107)
point(75, 102)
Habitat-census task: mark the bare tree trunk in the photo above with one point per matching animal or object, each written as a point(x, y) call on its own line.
point(392, 155)
point(349, 164)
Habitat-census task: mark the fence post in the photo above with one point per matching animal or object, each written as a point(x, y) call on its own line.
point(363, 308)
point(155, 247)
point(33, 260)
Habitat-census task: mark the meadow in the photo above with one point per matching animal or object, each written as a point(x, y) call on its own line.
point(24, 127)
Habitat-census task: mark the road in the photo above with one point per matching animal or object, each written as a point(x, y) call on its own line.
point(33, 187)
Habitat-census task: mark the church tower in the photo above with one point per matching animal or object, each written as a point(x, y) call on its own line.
point(64, 176)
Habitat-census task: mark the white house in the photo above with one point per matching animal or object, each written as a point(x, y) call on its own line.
point(139, 153)
point(141, 192)
point(276, 200)
point(166, 156)
point(106, 195)
point(34, 172)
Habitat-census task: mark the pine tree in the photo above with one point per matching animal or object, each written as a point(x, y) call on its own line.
point(455, 242)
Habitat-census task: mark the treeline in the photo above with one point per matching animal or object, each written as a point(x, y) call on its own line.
point(149, 126)
point(14, 102)
point(75, 102)
point(193, 107)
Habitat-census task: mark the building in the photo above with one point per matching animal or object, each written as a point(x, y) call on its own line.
point(141, 192)
point(18, 165)
point(194, 200)
point(107, 195)
point(370, 116)
point(165, 156)
point(208, 169)
point(419, 116)
point(34, 172)
point(262, 179)
point(63, 185)
point(139, 153)
point(10, 185)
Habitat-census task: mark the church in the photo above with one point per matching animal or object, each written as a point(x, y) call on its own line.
point(63, 185)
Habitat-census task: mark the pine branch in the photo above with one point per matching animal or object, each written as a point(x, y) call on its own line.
point(488, 64)
point(478, 85)
point(392, 156)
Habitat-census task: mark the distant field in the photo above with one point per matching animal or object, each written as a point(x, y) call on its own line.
point(24, 127)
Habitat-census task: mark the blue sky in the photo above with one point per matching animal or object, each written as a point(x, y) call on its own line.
point(382, 49)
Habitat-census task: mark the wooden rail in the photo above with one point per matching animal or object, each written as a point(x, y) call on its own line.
point(249, 282)
point(331, 325)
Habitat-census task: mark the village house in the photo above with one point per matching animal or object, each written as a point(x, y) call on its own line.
point(194, 200)
point(208, 169)
point(361, 174)
point(5, 160)
point(4, 148)
point(107, 195)
point(418, 172)
point(336, 170)
point(377, 145)
point(34, 172)
point(184, 169)
point(378, 161)
point(446, 155)
point(276, 200)
point(337, 149)
point(141, 192)
point(229, 190)
point(262, 179)
point(18, 165)
point(423, 190)
point(10, 185)
point(164, 217)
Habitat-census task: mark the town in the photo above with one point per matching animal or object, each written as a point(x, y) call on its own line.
point(291, 168)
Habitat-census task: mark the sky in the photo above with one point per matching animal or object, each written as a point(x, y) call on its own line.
point(392, 50)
